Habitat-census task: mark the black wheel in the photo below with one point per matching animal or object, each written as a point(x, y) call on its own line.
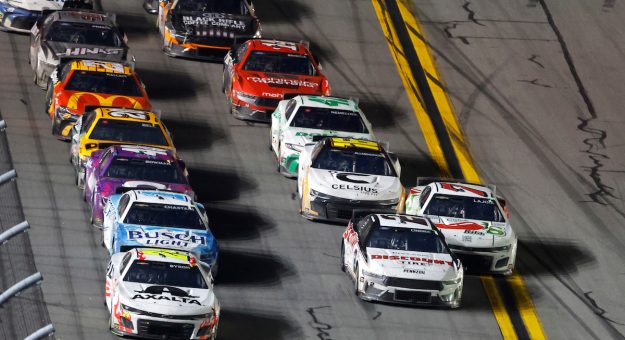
point(342, 257)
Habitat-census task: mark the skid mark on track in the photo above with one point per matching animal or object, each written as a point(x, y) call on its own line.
point(598, 310)
point(534, 81)
point(471, 13)
point(533, 59)
point(47, 179)
point(321, 327)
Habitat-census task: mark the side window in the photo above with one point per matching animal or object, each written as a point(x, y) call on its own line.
point(240, 53)
point(125, 262)
point(290, 108)
point(104, 160)
point(123, 203)
point(424, 196)
point(87, 121)
point(65, 70)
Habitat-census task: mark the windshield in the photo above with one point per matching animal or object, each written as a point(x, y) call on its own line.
point(410, 239)
point(172, 216)
point(470, 208)
point(328, 119)
point(212, 6)
point(128, 132)
point(353, 161)
point(276, 62)
point(165, 274)
point(102, 82)
point(145, 170)
point(84, 34)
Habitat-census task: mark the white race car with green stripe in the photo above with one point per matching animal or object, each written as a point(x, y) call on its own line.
point(296, 121)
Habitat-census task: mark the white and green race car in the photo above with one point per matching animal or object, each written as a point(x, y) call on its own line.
point(296, 121)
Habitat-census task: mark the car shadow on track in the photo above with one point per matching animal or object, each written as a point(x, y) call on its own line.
point(281, 11)
point(193, 134)
point(243, 325)
point(137, 26)
point(413, 167)
point(168, 84)
point(218, 184)
point(238, 267)
point(553, 256)
point(228, 222)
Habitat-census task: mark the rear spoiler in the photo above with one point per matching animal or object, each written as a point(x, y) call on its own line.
point(122, 189)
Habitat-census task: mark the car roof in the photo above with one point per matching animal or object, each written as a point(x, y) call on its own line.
point(163, 255)
point(143, 152)
point(462, 189)
point(161, 197)
point(278, 46)
point(100, 66)
point(357, 144)
point(132, 115)
point(328, 102)
point(85, 16)
point(402, 221)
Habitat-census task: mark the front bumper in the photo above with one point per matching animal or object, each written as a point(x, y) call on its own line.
point(17, 19)
point(164, 327)
point(478, 261)
point(449, 296)
point(341, 210)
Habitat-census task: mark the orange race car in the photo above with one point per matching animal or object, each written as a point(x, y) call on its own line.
point(260, 73)
point(82, 85)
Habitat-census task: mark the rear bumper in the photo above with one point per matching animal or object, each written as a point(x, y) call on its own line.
point(196, 51)
point(334, 210)
point(476, 262)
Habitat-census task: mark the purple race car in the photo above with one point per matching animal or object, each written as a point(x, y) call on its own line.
point(122, 167)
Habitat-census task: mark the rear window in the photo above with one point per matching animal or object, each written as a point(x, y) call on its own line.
point(83, 34)
point(163, 171)
point(128, 132)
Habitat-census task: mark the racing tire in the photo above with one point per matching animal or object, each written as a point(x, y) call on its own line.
point(343, 257)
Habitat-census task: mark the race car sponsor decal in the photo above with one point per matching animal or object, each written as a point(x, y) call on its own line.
point(359, 188)
point(167, 293)
point(329, 101)
point(213, 19)
point(348, 177)
point(78, 51)
point(414, 271)
point(462, 188)
point(272, 95)
point(416, 260)
point(165, 238)
point(83, 98)
point(474, 228)
point(279, 44)
point(351, 236)
point(283, 82)
point(121, 113)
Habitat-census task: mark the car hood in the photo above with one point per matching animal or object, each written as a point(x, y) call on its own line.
point(273, 85)
point(302, 136)
point(82, 51)
point(167, 300)
point(219, 25)
point(199, 242)
point(36, 5)
point(411, 264)
point(474, 233)
point(354, 186)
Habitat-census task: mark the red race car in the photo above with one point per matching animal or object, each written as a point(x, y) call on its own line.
point(260, 73)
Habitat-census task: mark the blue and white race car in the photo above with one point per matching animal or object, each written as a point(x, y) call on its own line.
point(158, 219)
point(21, 15)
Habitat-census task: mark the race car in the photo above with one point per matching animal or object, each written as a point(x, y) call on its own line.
point(21, 15)
point(296, 121)
point(161, 219)
point(401, 259)
point(260, 73)
point(338, 175)
point(82, 85)
point(120, 167)
point(66, 35)
point(205, 29)
point(103, 127)
point(474, 221)
point(160, 294)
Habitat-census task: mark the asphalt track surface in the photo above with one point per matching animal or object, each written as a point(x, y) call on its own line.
point(537, 87)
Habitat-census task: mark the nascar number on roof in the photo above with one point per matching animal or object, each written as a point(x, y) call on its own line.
point(144, 150)
point(329, 101)
point(120, 113)
point(279, 44)
point(354, 143)
point(108, 67)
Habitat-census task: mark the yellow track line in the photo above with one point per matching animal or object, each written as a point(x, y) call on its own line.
point(521, 295)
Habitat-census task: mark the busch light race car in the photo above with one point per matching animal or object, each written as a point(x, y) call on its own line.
point(150, 218)
point(338, 175)
point(295, 122)
point(75, 34)
point(120, 167)
point(21, 15)
point(259, 73)
point(160, 294)
point(205, 29)
point(401, 259)
point(474, 221)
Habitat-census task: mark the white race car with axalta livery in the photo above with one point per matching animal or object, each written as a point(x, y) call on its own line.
point(295, 122)
point(160, 294)
point(338, 175)
point(473, 219)
point(401, 259)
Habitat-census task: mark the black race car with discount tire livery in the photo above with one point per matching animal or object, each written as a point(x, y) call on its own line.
point(205, 29)
point(401, 259)
point(66, 35)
